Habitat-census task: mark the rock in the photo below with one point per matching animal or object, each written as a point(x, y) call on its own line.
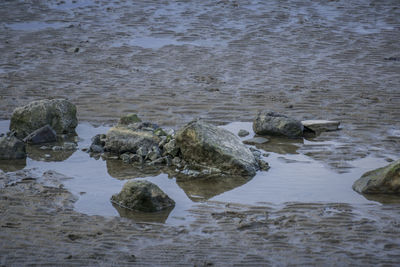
point(243, 133)
point(321, 125)
point(264, 166)
point(128, 119)
point(60, 114)
point(204, 144)
point(121, 139)
point(272, 123)
point(384, 180)
point(160, 132)
point(69, 146)
point(256, 141)
point(171, 149)
point(153, 154)
point(96, 149)
point(46, 134)
point(142, 196)
point(11, 148)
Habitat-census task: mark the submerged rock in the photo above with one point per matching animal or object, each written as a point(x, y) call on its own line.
point(128, 119)
point(256, 141)
point(272, 123)
point(321, 125)
point(11, 148)
point(121, 139)
point(142, 196)
point(384, 180)
point(60, 114)
point(45, 134)
point(243, 133)
point(203, 144)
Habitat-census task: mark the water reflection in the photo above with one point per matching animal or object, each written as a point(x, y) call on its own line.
point(383, 199)
point(12, 165)
point(36, 153)
point(137, 216)
point(121, 170)
point(281, 145)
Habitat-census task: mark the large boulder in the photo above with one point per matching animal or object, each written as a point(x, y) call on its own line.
point(142, 196)
point(272, 123)
point(60, 114)
point(384, 180)
point(203, 144)
point(131, 138)
point(11, 148)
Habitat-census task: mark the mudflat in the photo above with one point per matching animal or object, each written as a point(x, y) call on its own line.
point(171, 62)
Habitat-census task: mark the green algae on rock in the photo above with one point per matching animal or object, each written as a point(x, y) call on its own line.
point(142, 196)
point(60, 114)
point(272, 123)
point(385, 180)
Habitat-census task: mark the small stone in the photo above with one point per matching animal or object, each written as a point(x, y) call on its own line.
point(45, 134)
point(176, 161)
point(96, 149)
point(57, 148)
point(171, 149)
point(47, 156)
point(160, 132)
point(142, 151)
point(264, 166)
point(256, 141)
point(321, 125)
point(126, 157)
point(128, 119)
point(44, 148)
point(243, 133)
point(69, 146)
point(273, 123)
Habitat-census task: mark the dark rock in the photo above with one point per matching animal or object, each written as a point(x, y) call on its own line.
point(142, 196)
point(171, 149)
point(272, 123)
point(60, 114)
point(203, 144)
point(384, 180)
point(46, 134)
point(11, 148)
point(243, 133)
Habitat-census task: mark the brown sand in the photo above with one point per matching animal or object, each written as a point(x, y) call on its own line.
point(293, 58)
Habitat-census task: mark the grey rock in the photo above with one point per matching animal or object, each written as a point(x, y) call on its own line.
point(60, 114)
point(153, 154)
point(46, 134)
point(321, 125)
point(142, 196)
point(57, 148)
point(121, 139)
point(11, 148)
point(204, 144)
point(69, 146)
point(385, 180)
point(264, 166)
point(126, 157)
point(142, 151)
point(243, 133)
point(96, 148)
point(171, 148)
point(272, 123)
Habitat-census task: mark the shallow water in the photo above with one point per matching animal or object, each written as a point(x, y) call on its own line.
point(293, 177)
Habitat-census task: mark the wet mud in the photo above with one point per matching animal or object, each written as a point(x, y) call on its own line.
point(171, 62)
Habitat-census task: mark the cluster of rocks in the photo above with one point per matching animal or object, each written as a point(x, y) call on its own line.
point(43, 121)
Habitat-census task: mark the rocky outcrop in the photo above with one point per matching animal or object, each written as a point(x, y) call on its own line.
point(272, 123)
point(384, 180)
point(11, 148)
point(204, 145)
point(45, 134)
point(60, 114)
point(142, 196)
point(321, 125)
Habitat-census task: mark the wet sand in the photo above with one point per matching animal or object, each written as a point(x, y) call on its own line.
point(171, 62)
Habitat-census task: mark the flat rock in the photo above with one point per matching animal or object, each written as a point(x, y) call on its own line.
point(321, 125)
point(385, 180)
point(203, 144)
point(121, 139)
point(243, 133)
point(60, 114)
point(11, 148)
point(142, 196)
point(256, 141)
point(46, 134)
point(272, 123)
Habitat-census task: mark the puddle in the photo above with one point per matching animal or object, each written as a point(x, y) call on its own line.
point(34, 25)
point(293, 177)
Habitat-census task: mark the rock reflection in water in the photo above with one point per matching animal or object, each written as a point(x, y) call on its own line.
point(121, 170)
point(34, 152)
point(137, 216)
point(281, 145)
point(12, 165)
point(201, 189)
point(383, 198)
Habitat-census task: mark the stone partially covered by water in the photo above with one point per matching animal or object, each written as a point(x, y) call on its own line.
point(385, 180)
point(321, 125)
point(203, 144)
point(45, 134)
point(272, 123)
point(11, 148)
point(142, 196)
point(60, 114)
